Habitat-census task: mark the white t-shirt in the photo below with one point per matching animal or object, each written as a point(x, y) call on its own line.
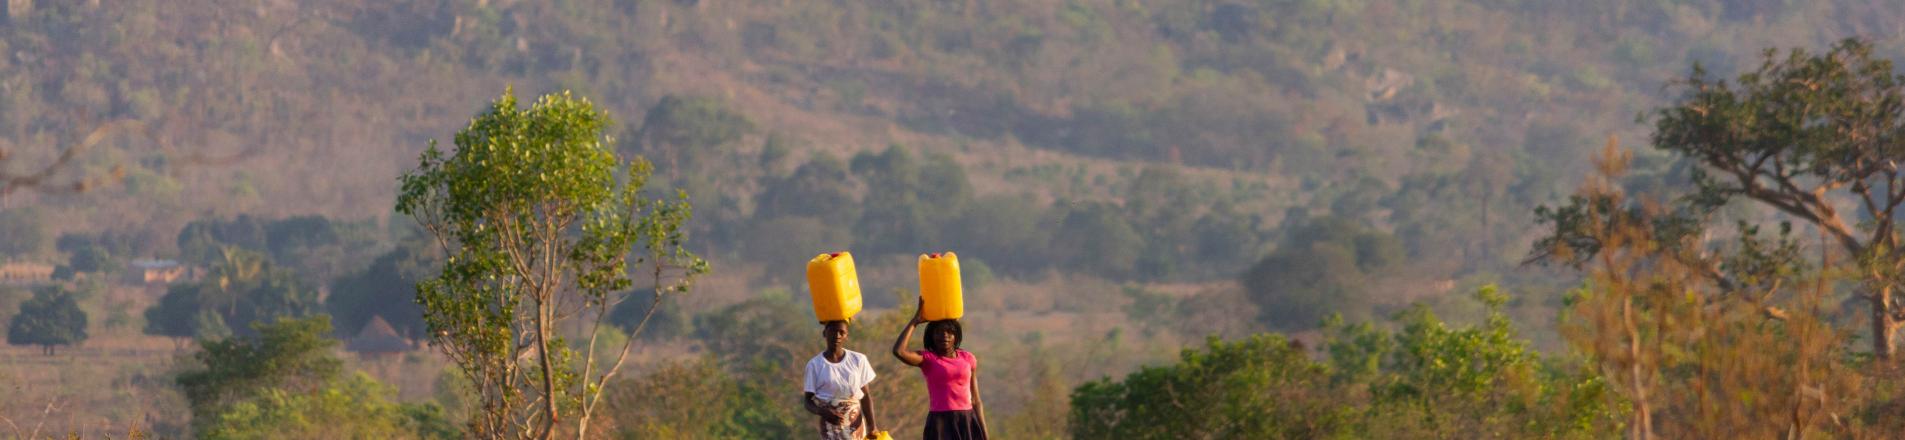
point(828, 380)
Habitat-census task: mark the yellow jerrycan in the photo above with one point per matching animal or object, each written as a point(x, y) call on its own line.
point(882, 435)
point(939, 287)
point(835, 286)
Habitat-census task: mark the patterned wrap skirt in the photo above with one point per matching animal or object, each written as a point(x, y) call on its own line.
point(852, 426)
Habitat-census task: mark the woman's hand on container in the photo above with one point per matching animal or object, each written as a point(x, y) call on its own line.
point(919, 311)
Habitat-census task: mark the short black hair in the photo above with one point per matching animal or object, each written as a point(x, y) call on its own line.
point(947, 325)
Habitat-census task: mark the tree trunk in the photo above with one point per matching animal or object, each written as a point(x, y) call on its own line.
point(548, 381)
point(1643, 428)
point(1883, 325)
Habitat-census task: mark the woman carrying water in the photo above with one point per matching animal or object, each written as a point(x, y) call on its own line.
point(952, 380)
point(836, 388)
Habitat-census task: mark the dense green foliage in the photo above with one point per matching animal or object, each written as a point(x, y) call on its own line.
point(240, 289)
point(291, 354)
point(285, 383)
point(1426, 380)
point(350, 407)
point(1323, 266)
point(49, 319)
point(683, 131)
point(317, 248)
point(116, 246)
point(93, 260)
point(1263, 387)
point(914, 202)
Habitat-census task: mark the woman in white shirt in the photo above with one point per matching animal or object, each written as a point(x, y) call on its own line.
point(836, 388)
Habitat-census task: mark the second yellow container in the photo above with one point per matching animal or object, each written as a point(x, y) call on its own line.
point(939, 287)
point(835, 286)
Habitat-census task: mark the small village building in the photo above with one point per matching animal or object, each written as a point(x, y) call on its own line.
point(147, 271)
point(377, 340)
point(19, 272)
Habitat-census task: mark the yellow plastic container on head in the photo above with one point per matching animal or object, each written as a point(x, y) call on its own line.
point(835, 286)
point(939, 287)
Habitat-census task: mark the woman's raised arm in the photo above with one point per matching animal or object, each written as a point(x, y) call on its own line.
point(906, 334)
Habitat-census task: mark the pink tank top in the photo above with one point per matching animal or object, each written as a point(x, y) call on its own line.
point(948, 380)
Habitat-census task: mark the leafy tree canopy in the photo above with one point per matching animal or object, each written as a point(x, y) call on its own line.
point(240, 289)
point(51, 318)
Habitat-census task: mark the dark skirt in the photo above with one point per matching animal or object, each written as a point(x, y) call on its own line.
point(954, 425)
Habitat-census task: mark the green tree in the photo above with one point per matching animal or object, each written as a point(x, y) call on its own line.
point(312, 244)
point(1809, 135)
point(120, 242)
point(1703, 340)
point(1009, 231)
point(285, 383)
point(533, 212)
point(1261, 387)
point(292, 355)
point(353, 407)
point(1166, 205)
point(1095, 237)
point(684, 130)
point(92, 259)
point(1225, 237)
point(792, 239)
point(51, 318)
point(1426, 380)
point(1431, 380)
point(681, 400)
point(240, 289)
point(822, 189)
point(285, 237)
point(315, 246)
point(173, 315)
point(1322, 267)
point(912, 198)
point(205, 241)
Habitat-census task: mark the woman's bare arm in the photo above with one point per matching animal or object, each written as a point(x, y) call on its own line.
point(866, 408)
point(978, 405)
point(906, 335)
point(814, 407)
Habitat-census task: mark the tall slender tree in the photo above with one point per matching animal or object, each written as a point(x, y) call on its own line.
point(537, 218)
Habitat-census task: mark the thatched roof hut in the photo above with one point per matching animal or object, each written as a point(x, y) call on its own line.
point(377, 338)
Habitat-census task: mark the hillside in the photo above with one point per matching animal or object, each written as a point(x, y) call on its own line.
point(1165, 169)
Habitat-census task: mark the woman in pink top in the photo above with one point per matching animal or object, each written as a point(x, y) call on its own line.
point(952, 380)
